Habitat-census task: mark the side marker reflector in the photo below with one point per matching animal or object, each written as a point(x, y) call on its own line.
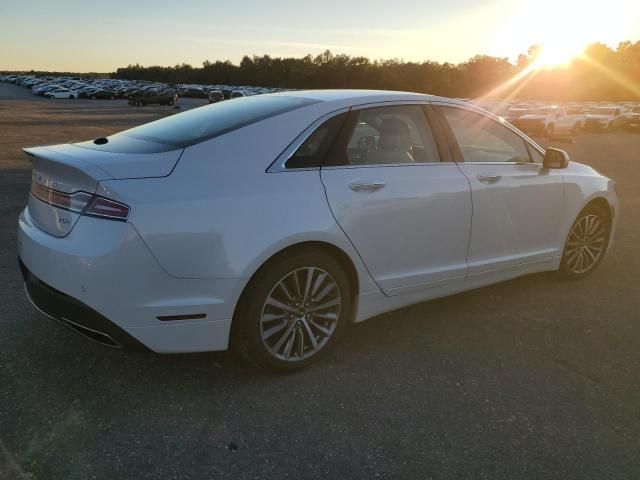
point(170, 318)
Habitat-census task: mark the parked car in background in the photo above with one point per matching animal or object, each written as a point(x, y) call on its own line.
point(194, 92)
point(549, 121)
point(237, 94)
point(61, 93)
point(579, 114)
point(42, 89)
point(87, 91)
point(188, 238)
point(151, 97)
point(215, 96)
point(605, 117)
point(514, 113)
point(633, 120)
point(102, 95)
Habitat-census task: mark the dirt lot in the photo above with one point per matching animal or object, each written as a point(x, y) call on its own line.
point(535, 378)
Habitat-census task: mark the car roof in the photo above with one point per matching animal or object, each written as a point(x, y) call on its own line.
point(355, 95)
point(345, 98)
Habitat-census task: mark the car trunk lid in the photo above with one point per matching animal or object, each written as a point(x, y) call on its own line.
point(59, 170)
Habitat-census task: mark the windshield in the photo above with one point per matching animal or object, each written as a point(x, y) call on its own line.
point(203, 123)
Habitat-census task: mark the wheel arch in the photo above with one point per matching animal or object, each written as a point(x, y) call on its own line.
point(599, 201)
point(603, 203)
point(332, 250)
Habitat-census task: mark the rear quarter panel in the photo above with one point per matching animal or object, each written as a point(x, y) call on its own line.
point(220, 215)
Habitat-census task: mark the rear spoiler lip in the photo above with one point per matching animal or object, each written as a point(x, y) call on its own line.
point(46, 153)
point(104, 166)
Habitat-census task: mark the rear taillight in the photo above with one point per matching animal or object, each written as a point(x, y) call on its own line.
point(81, 202)
point(105, 208)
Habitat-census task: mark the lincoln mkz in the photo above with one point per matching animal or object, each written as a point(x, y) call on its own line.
point(271, 222)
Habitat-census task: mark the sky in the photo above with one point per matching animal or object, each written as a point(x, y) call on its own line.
point(83, 36)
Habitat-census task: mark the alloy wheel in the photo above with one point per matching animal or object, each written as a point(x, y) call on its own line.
point(300, 314)
point(586, 244)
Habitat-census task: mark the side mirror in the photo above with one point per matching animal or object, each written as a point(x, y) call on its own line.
point(555, 158)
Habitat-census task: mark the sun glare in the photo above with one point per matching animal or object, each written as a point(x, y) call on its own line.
point(557, 54)
point(563, 29)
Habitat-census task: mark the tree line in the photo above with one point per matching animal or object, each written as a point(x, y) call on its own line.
point(602, 73)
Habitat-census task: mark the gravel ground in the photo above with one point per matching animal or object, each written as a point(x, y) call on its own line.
point(534, 378)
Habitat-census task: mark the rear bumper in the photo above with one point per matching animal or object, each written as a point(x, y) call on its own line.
point(102, 280)
point(75, 314)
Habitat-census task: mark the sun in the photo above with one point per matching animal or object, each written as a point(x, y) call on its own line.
point(558, 53)
point(563, 29)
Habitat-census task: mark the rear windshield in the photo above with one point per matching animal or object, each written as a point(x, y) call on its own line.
point(203, 123)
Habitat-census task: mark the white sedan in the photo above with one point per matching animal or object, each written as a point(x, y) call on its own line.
point(61, 93)
point(274, 221)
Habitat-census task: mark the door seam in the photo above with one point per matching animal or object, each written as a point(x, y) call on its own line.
point(326, 197)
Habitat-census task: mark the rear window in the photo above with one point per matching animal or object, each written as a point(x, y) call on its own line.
point(203, 123)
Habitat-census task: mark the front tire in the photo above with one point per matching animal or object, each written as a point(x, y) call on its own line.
point(294, 310)
point(587, 243)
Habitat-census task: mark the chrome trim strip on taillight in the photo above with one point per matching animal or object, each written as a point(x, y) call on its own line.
point(46, 195)
point(105, 215)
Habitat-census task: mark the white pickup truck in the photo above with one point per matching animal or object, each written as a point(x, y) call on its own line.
point(550, 121)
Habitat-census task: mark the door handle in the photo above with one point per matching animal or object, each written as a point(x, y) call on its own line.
point(366, 187)
point(488, 178)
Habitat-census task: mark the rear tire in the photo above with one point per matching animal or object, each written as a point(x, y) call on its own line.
point(279, 326)
point(587, 243)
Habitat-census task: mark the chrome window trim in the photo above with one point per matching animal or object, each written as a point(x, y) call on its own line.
point(521, 164)
point(383, 165)
point(279, 164)
point(497, 119)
